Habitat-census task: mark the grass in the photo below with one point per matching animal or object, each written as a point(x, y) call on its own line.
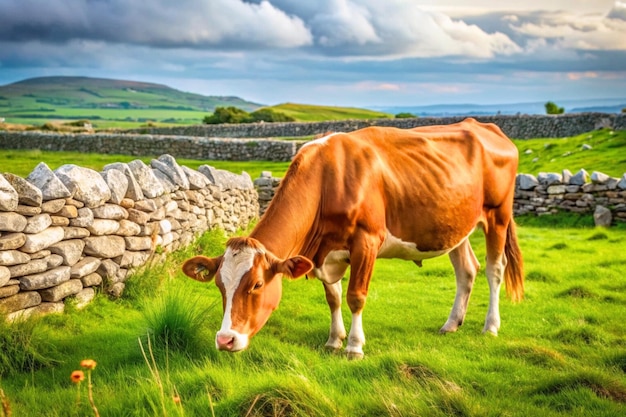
point(607, 153)
point(313, 113)
point(561, 350)
point(22, 162)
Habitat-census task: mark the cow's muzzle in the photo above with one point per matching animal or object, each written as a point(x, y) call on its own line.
point(231, 341)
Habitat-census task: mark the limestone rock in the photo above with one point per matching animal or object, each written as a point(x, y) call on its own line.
point(149, 183)
point(8, 195)
point(108, 269)
point(5, 275)
point(86, 266)
point(50, 185)
point(134, 189)
point(33, 267)
point(45, 279)
point(138, 242)
point(12, 222)
point(84, 219)
point(52, 206)
point(166, 182)
point(128, 228)
point(75, 232)
point(118, 184)
point(116, 290)
point(9, 290)
point(602, 216)
point(104, 246)
point(527, 181)
point(19, 301)
point(38, 223)
point(13, 257)
point(38, 241)
point(226, 179)
point(599, 178)
point(69, 250)
point(92, 280)
point(69, 211)
point(580, 178)
point(168, 165)
point(101, 227)
point(196, 180)
point(12, 241)
point(29, 194)
point(110, 211)
point(59, 292)
point(86, 184)
point(84, 297)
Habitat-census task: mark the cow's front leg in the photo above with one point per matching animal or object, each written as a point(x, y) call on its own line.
point(360, 276)
point(337, 330)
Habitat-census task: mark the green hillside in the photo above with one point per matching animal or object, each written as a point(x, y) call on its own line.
point(312, 113)
point(105, 102)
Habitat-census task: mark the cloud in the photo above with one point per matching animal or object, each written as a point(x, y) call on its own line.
point(158, 23)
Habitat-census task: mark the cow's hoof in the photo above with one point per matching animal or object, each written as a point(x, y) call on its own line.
point(355, 355)
point(332, 349)
point(491, 331)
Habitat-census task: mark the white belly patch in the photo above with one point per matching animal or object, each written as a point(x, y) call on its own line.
point(337, 261)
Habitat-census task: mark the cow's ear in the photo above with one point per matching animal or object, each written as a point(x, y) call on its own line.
point(294, 267)
point(202, 268)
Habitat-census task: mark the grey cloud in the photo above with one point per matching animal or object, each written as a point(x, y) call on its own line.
point(158, 23)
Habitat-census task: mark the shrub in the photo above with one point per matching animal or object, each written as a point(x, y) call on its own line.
point(227, 115)
point(269, 115)
point(404, 115)
point(552, 108)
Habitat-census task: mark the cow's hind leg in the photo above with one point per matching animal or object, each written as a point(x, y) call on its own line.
point(496, 263)
point(465, 268)
point(337, 330)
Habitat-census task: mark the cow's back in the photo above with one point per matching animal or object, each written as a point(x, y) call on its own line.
point(421, 185)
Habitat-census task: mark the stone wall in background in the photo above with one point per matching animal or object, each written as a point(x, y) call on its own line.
point(215, 142)
point(68, 232)
point(516, 127)
point(547, 193)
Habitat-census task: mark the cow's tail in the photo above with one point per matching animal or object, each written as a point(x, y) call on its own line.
point(514, 271)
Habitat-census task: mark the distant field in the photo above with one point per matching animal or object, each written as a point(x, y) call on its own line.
point(311, 113)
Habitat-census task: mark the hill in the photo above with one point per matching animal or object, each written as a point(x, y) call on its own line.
point(102, 101)
point(313, 113)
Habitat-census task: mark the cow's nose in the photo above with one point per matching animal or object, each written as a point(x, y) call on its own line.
point(225, 342)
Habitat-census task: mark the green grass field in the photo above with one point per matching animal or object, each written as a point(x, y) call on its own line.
point(561, 351)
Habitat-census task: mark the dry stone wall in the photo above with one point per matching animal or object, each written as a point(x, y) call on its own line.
point(517, 127)
point(546, 193)
point(66, 233)
point(215, 142)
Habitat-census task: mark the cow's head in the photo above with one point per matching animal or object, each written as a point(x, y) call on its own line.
point(249, 278)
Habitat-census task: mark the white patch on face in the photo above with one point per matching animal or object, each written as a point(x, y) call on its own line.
point(234, 267)
point(320, 140)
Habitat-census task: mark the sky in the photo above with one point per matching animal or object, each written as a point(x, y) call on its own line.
point(358, 53)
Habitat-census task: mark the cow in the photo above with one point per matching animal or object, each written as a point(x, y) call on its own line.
point(378, 192)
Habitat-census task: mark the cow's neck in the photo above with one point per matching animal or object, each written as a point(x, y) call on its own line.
point(285, 227)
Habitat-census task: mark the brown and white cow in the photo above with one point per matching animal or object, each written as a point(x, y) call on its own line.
point(378, 192)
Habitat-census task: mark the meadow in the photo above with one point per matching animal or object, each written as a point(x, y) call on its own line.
point(561, 351)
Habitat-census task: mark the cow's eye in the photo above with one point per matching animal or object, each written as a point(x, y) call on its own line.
point(258, 285)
